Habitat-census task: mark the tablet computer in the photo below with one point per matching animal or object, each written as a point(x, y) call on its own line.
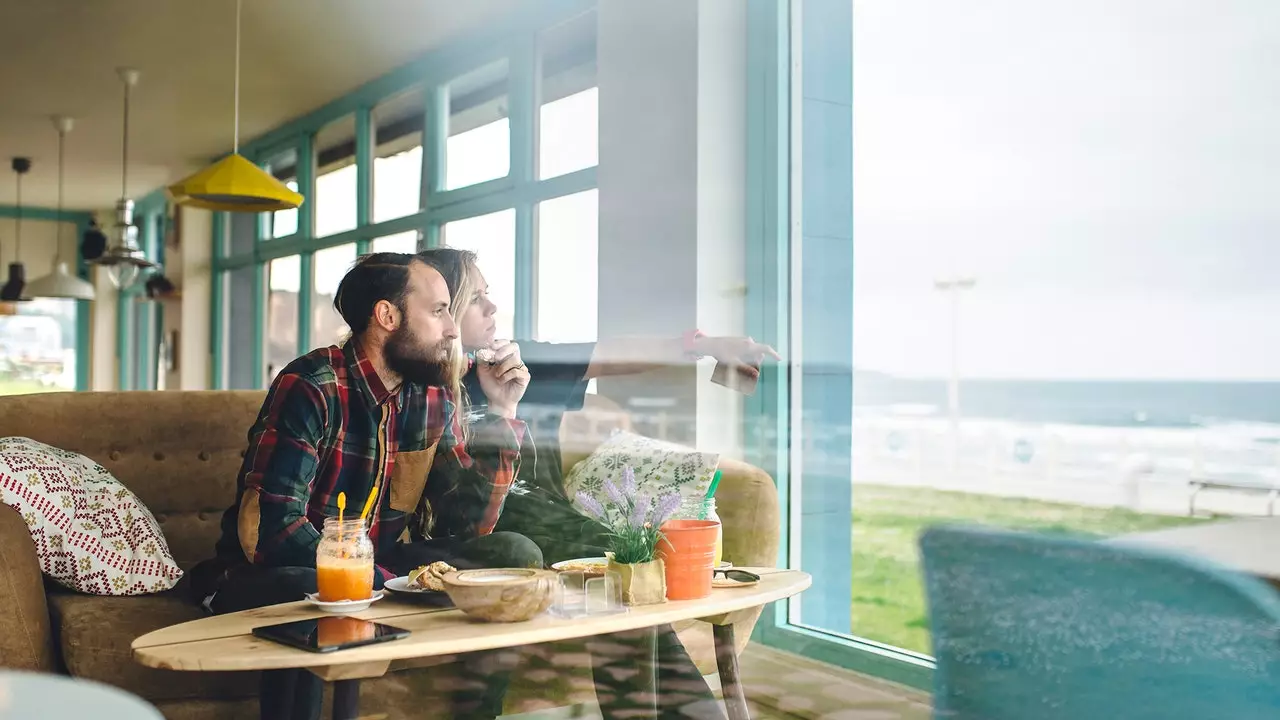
point(330, 634)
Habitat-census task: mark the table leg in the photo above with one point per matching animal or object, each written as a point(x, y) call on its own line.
point(647, 682)
point(735, 700)
point(346, 699)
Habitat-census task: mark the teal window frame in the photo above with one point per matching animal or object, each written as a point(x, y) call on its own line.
point(137, 344)
point(84, 310)
point(514, 39)
point(778, 266)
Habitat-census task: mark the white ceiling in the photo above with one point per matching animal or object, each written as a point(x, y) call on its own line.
point(60, 57)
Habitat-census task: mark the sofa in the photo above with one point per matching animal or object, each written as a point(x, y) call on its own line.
point(179, 451)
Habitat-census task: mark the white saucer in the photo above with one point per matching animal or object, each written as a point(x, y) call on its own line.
point(344, 607)
point(401, 585)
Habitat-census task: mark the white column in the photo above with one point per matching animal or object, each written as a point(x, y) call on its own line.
point(671, 176)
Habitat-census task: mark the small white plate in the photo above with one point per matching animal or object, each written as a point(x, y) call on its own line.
point(401, 585)
point(344, 607)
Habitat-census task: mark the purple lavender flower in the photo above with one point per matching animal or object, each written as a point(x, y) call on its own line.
point(629, 481)
point(639, 512)
point(591, 507)
point(666, 506)
point(615, 495)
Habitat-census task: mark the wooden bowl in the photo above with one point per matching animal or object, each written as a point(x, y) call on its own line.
point(501, 594)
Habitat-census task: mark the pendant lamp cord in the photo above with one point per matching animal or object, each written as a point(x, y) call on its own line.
point(235, 140)
point(124, 153)
point(57, 254)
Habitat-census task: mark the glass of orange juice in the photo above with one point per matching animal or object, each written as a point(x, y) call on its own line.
point(344, 561)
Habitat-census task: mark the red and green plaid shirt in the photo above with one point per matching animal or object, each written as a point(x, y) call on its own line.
point(329, 425)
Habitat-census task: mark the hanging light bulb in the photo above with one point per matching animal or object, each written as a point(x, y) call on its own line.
point(233, 183)
point(123, 259)
point(61, 283)
point(16, 284)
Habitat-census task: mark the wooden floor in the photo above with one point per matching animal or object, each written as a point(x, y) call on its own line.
point(781, 686)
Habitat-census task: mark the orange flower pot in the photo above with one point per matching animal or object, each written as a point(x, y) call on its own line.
point(688, 550)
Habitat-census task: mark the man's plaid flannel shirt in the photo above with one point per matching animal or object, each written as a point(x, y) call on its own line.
point(329, 425)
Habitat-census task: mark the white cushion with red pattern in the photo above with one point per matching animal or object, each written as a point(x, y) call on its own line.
point(91, 533)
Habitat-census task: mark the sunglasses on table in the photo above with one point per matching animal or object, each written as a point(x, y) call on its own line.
point(736, 575)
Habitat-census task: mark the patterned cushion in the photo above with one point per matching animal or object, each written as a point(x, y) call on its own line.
point(90, 532)
point(661, 468)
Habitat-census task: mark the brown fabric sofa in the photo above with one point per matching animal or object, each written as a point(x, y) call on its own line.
point(179, 452)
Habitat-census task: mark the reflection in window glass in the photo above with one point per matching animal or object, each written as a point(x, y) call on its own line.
point(405, 242)
point(493, 238)
point(1117, 338)
point(397, 156)
point(335, 205)
point(38, 347)
point(567, 269)
point(569, 103)
point(285, 169)
point(330, 265)
point(284, 277)
point(237, 329)
point(479, 143)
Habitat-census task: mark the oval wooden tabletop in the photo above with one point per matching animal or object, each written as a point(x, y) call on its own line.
point(225, 642)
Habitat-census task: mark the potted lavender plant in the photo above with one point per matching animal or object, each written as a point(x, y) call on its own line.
point(633, 519)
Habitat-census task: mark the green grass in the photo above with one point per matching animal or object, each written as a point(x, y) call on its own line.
point(888, 597)
point(22, 387)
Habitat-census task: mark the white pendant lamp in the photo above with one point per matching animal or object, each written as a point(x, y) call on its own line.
point(234, 184)
point(123, 259)
point(60, 283)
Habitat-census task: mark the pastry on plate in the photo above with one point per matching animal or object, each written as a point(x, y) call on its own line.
point(430, 577)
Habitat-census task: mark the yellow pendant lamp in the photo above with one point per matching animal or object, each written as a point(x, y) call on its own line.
point(234, 184)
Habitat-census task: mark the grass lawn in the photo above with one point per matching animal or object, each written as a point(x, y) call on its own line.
point(888, 596)
point(22, 387)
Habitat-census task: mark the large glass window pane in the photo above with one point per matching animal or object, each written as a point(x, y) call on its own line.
point(239, 322)
point(405, 242)
point(1063, 294)
point(479, 143)
point(397, 156)
point(284, 279)
point(38, 347)
point(330, 265)
point(568, 268)
point(569, 104)
point(335, 202)
point(284, 167)
point(493, 238)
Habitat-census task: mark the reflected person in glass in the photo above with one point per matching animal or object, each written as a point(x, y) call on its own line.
point(540, 507)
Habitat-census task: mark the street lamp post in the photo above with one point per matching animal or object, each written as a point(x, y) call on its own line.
point(953, 286)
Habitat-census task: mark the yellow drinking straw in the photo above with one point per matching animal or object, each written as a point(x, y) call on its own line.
point(342, 508)
point(368, 504)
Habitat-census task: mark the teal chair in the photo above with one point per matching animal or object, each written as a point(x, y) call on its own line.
point(1032, 627)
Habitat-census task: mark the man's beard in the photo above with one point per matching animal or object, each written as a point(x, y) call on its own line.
point(416, 362)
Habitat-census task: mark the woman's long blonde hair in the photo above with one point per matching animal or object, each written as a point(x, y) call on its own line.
point(459, 268)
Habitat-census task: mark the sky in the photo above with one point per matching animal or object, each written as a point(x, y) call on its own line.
point(1108, 170)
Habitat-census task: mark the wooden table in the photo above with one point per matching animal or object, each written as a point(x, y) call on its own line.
point(225, 642)
point(1245, 545)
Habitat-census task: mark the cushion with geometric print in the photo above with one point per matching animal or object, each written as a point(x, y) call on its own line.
point(91, 533)
point(661, 468)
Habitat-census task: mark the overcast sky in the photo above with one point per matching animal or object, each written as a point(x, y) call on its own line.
point(1109, 170)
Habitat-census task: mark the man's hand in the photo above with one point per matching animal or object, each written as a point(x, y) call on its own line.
point(741, 352)
point(504, 379)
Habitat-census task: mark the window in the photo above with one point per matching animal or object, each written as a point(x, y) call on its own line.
point(281, 223)
point(567, 269)
point(38, 347)
point(493, 238)
point(335, 201)
point(242, 233)
point(330, 265)
point(284, 278)
point(405, 242)
point(397, 160)
point(479, 142)
point(569, 102)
